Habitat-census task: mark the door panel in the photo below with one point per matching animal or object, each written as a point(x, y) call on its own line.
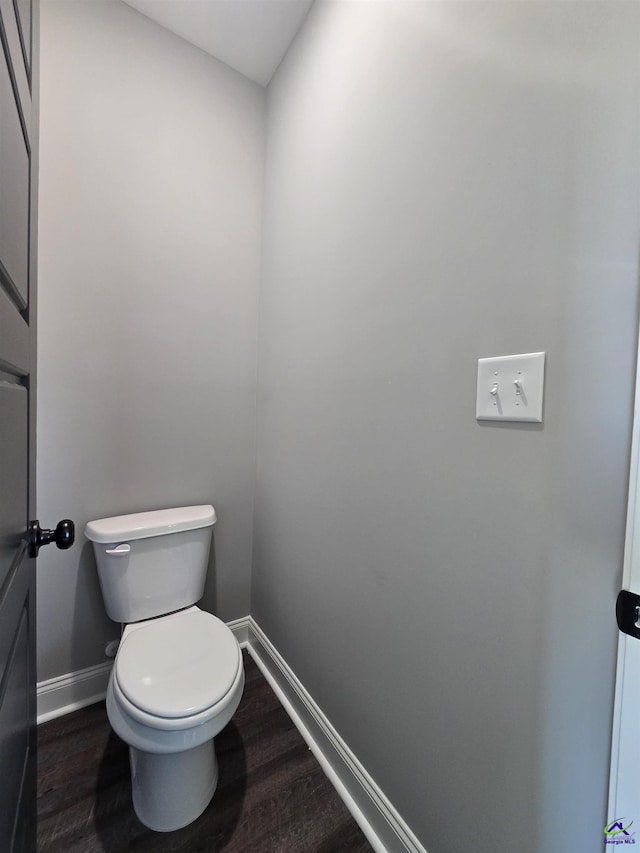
point(17, 440)
point(14, 191)
point(14, 337)
point(13, 484)
point(23, 18)
point(15, 746)
point(11, 25)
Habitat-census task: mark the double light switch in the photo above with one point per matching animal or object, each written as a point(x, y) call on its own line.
point(510, 388)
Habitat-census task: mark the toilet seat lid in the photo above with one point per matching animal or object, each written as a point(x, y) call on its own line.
point(179, 665)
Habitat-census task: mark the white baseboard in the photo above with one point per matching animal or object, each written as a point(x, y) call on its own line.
point(240, 628)
point(67, 693)
point(384, 828)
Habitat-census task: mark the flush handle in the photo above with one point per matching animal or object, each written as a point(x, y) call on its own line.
point(64, 536)
point(118, 551)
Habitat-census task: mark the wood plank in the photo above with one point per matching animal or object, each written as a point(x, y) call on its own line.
point(272, 794)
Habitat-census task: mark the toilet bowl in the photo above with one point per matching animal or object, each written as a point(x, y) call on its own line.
point(176, 682)
point(178, 677)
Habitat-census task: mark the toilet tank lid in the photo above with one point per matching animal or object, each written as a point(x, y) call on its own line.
point(142, 525)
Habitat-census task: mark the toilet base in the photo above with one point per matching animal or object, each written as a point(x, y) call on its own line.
point(172, 790)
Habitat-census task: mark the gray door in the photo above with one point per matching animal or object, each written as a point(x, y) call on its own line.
point(17, 415)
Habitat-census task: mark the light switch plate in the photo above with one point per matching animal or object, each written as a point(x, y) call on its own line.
point(510, 388)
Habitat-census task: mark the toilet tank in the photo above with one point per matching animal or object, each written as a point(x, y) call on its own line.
point(152, 563)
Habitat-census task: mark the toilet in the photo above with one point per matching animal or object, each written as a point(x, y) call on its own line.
point(178, 677)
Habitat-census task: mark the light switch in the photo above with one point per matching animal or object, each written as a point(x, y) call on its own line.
point(510, 388)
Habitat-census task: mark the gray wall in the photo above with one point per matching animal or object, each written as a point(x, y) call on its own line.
point(150, 214)
point(447, 181)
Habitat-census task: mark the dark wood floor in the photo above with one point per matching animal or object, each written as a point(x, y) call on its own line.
point(272, 795)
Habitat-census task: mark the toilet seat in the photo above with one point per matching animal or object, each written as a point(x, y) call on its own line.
point(177, 671)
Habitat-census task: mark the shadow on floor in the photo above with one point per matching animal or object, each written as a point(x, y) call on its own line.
point(117, 828)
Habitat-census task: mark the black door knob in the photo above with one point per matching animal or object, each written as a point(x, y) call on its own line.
point(64, 536)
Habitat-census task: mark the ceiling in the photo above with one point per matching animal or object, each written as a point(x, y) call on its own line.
point(251, 36)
